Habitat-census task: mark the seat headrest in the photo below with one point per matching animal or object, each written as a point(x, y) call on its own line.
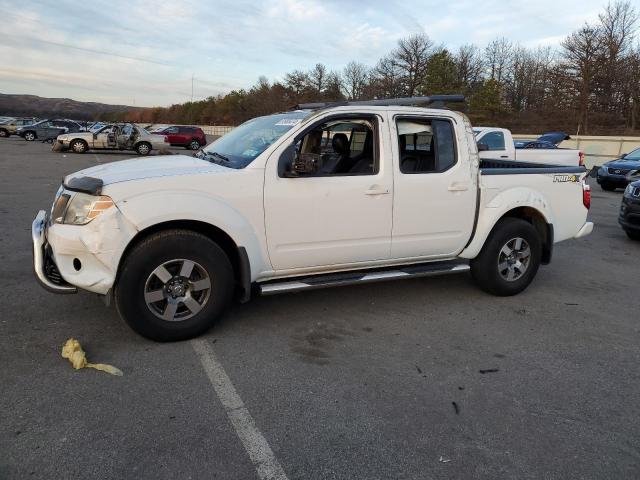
point(340, 143)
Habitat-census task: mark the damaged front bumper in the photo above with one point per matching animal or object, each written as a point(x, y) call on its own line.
point(71, 257)
point(44, 267)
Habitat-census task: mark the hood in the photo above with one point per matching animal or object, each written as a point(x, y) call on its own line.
point(148, 167)
point(623, 163)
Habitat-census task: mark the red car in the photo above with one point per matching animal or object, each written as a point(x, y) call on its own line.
point(189, 137)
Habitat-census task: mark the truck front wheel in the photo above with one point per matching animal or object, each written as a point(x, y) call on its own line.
point(174, 285)
point(509, 259)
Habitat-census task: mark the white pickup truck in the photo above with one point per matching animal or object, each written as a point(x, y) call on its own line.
point(316, 197)
point(498, 144)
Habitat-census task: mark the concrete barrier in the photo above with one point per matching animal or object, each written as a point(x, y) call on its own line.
point(597, 150)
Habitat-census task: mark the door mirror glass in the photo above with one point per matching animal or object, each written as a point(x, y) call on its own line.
point(483, 147)
point(285, 162)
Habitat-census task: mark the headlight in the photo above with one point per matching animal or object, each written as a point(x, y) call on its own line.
point(83, 208)
point(628, 190)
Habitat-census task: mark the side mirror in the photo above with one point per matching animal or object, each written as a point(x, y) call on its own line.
point(292, 164)
point(623, 155)
point(285, 162)
point(483, 147)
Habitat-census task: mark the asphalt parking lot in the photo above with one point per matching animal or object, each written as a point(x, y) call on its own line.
point(419, 379)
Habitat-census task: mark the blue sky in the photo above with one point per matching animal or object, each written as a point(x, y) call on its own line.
point(146, 51)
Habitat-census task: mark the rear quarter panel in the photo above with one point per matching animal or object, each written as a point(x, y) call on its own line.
point(558, 197)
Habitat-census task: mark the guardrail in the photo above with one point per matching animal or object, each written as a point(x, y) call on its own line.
point(597, 149)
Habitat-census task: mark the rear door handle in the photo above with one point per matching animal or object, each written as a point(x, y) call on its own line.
point(504, 156)
point(458, 187)
point(377, 191)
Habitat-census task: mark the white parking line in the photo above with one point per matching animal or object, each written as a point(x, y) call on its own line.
point(255, 444)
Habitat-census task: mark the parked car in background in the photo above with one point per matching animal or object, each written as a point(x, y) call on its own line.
point(117, 136)
point(547, 140)
point(48, 129)
point(498, 144)
point(179, 136)
point(96, 126)
point(10, 126)
point(629, 218)
point(615, 174)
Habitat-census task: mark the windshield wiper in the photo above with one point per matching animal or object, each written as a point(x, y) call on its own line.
point(219, 155)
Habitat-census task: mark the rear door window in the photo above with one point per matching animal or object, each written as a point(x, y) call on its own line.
point(425, 145)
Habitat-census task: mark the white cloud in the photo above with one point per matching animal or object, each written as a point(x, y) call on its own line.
point(147, 49)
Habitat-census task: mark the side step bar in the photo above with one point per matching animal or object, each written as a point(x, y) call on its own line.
point(362, 276)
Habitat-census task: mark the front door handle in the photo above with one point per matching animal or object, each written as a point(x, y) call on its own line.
point(504, 156)
point(377, 191)
point(458, 187)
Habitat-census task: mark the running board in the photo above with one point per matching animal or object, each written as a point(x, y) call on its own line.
point(362, 276)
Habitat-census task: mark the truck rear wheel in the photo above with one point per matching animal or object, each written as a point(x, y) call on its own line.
point(509, 259)
point(174, 285)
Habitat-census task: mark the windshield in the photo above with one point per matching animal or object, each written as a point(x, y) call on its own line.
point(243, 144)
point(633, 155)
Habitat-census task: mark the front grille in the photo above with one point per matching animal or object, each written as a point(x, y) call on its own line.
point(51, 270)
point(618, 171)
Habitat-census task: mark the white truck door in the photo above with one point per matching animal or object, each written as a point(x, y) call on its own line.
point(435, 186)
point(499, 143)
point(339, 212)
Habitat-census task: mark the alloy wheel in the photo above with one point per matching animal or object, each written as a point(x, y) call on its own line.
point(177, 290)
point(514, 259)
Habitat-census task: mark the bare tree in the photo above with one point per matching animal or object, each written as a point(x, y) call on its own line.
point(412, 57)
point(617, 26)
point(498, 55)
point(317, 78)
point(582, 50)
point(354, 79)
point(469, 66)
point(386, 81)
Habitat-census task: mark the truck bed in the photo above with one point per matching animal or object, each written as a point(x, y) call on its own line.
point(512, 167)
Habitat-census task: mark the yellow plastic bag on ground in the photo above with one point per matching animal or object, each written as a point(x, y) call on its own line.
point(73, 351)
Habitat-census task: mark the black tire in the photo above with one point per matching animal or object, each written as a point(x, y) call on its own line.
point(193, 145)
point(78, 146)
point(607, 187)
point(633, 235)
point(485, 267)
point(30, 136)
point(4, 133)
point(143, 148)
point(137, 274)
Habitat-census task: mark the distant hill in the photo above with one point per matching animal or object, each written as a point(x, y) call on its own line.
point(33, 105)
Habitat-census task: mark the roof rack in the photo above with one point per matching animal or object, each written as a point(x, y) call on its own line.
point(436, 101)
